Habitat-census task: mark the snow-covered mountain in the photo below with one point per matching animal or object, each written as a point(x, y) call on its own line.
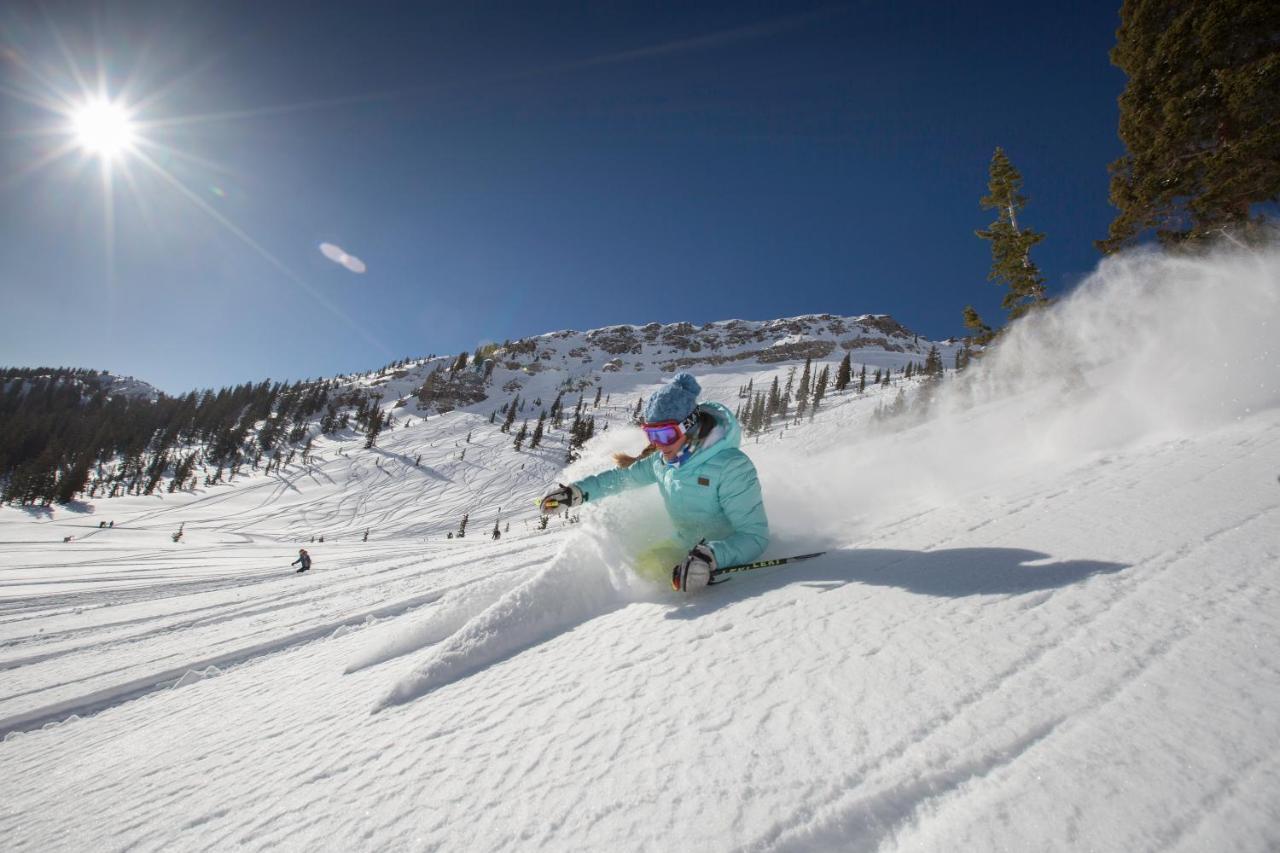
point(1048, 614)
point(89, 382)
point(620, 358)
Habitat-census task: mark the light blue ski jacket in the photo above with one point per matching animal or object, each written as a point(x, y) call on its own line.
point(712, 495)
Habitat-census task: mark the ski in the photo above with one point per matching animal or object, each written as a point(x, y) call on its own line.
point(762, 564)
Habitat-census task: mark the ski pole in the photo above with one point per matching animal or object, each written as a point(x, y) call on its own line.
point(764, 564)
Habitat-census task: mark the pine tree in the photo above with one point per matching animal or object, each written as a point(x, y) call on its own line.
point(775, 399)
point(636, 415)
point(1199, 118)
point(1011, 244)
point(933, 364)
point(462, 528)
point(819, 391)
point(375, 427)
point(802, 391)
point(757, 414)
point(599, 394)
point(982, 333)
point(899, 406)
point(522, 435)
point(511, 416)
point(862, 380)
point(844, 375)
point(536, 439)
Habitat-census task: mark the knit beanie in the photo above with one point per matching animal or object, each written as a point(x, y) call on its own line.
point(674, 401)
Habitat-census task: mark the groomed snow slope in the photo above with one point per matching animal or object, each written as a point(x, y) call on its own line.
point(1049, 619)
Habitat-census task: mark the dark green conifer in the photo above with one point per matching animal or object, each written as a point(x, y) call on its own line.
point(1199, 118)
point(1011, 244)
point(844, 375)
point(933, 364)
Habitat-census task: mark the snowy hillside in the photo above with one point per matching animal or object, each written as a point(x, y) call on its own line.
point(89, 382)
point(1048, 617)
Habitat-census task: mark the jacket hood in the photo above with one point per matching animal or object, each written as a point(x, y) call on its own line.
point(726, 435)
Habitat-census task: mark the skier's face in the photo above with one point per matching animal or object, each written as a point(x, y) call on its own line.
point(671, 451)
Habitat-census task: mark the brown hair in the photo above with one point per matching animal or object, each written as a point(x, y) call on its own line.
point(626, 460)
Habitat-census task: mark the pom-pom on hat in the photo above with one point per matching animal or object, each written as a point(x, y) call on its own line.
point(674, 401)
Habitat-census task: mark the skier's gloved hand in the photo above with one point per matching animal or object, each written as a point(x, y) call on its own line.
point(694, 571)
point(569, 496)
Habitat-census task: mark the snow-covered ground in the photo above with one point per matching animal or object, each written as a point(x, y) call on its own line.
point(1048, 619)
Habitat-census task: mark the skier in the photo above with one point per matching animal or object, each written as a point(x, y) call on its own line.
point(708, 484)
point(304, 558)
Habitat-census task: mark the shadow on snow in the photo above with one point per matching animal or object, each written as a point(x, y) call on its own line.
point(949, 573)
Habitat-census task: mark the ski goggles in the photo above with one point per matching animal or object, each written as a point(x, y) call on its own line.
point(664, 433)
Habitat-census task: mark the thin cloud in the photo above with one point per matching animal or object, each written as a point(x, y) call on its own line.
point(706, 42)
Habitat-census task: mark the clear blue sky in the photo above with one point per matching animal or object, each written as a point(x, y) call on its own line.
point(511, 169)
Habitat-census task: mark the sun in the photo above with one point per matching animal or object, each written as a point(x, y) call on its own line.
point(104, 128)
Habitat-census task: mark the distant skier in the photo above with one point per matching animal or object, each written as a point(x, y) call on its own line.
point(304, 558)
point(708, 484)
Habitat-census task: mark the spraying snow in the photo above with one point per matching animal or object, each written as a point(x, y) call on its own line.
point(1150, 347)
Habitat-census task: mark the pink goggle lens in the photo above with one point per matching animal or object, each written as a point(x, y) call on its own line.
point(663, 434)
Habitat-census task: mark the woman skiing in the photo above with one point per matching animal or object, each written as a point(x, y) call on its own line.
point(708, 484)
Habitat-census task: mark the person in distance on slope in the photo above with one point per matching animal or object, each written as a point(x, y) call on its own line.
point(304, 558)
point(708, 484)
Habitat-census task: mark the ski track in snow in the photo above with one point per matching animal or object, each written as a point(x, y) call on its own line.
point(1049, 621)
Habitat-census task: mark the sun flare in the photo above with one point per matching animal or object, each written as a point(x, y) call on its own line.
point(103, 128)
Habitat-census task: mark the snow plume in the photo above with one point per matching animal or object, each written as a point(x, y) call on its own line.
point(457, 608)
point(1150, 347)
point(586, 579)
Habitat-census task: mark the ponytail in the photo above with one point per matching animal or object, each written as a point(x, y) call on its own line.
point(625, 460)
